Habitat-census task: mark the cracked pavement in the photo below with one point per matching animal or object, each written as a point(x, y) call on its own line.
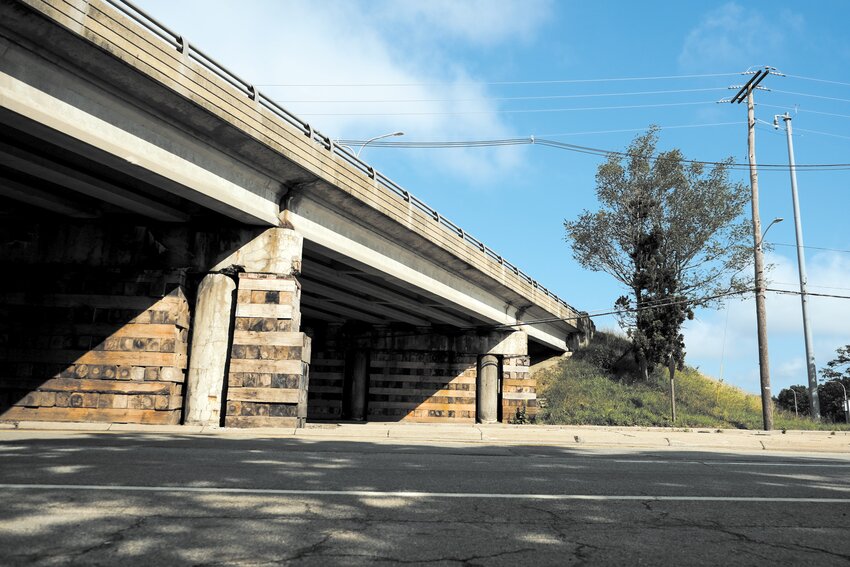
point(142, 499)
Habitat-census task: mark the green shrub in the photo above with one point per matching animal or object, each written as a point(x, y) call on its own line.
point(521, 416)
point(604, 350)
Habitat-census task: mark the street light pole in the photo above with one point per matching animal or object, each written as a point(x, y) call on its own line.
point(370, 140)
point(796, 413)
point(801, 264)
point(846, 407)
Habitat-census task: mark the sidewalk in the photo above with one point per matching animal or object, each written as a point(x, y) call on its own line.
point(575, 436)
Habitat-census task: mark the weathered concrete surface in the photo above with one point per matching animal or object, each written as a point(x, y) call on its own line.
point(567, 436)
point(488, 389)
point(272, 251)
point(56, 98)
point(368, 249)
point(210, 343)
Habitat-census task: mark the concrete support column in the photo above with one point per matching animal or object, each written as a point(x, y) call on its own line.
point(359, 385)
point(488, 389)
point(209, 351)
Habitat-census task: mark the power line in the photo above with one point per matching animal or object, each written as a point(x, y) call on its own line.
point(823, 133)
point(732, 165)
point(532, 140)
point(812, 95)
point(798, 109)
point(622, 130)
point(442, 144)
point(536, 97)
point(497, 83)
point(657, 304)
point(811, 247)
point(511, 111)
point(818, 80)
point(793, 292)
point(817, 286)
point(516, 141)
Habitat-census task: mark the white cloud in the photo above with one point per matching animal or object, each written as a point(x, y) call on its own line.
point(477, 21)
point(827, 273)
point(399, 48)
point(792, 369)
point(730, 35)
point(829, 317)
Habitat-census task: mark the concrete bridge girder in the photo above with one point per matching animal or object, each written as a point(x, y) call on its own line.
point(78, 115)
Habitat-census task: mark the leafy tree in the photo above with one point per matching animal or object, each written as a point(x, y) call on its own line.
point(838, 367)
point(785, 399)
point(831, 394)
point(672, 233)
point(658, 327)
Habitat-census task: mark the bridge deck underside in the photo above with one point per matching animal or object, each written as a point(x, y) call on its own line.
point(44, 180)
point(123, 185)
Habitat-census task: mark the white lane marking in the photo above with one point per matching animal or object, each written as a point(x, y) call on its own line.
point(732, 463)
point(415, 494)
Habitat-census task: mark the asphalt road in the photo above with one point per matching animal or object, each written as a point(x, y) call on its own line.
point(143, 499)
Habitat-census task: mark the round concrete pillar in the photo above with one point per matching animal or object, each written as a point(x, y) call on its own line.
point(211, 328)
point(359, 385)
point(488, 389)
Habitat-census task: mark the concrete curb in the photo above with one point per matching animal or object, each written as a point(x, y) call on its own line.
point(495, 434)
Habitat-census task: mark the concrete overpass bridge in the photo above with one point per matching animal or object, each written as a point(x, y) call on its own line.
point(179, 248)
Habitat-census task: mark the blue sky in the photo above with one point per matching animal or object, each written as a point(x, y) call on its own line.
point(477, 70)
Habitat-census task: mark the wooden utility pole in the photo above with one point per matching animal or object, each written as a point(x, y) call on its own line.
point(761, 313)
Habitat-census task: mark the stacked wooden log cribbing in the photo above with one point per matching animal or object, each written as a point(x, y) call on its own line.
point(269, 359)
point(95, 345)
point(327, 372)
point(422, 386)
point(519, 389)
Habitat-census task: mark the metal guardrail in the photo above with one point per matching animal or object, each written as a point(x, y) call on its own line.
point(180, 43)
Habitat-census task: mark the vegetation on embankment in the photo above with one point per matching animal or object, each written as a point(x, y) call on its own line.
point(587, 389)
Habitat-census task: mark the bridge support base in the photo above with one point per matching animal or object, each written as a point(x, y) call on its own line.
point(269, 360)
point(210, 341)
point(489, 367)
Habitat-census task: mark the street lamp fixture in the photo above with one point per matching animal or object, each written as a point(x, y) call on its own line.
point(382, 136)
point(777, 220)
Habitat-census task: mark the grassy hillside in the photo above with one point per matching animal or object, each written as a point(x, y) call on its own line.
point(587, 390)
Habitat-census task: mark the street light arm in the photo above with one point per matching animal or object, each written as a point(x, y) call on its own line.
point(382, 136)
point(777, 220)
